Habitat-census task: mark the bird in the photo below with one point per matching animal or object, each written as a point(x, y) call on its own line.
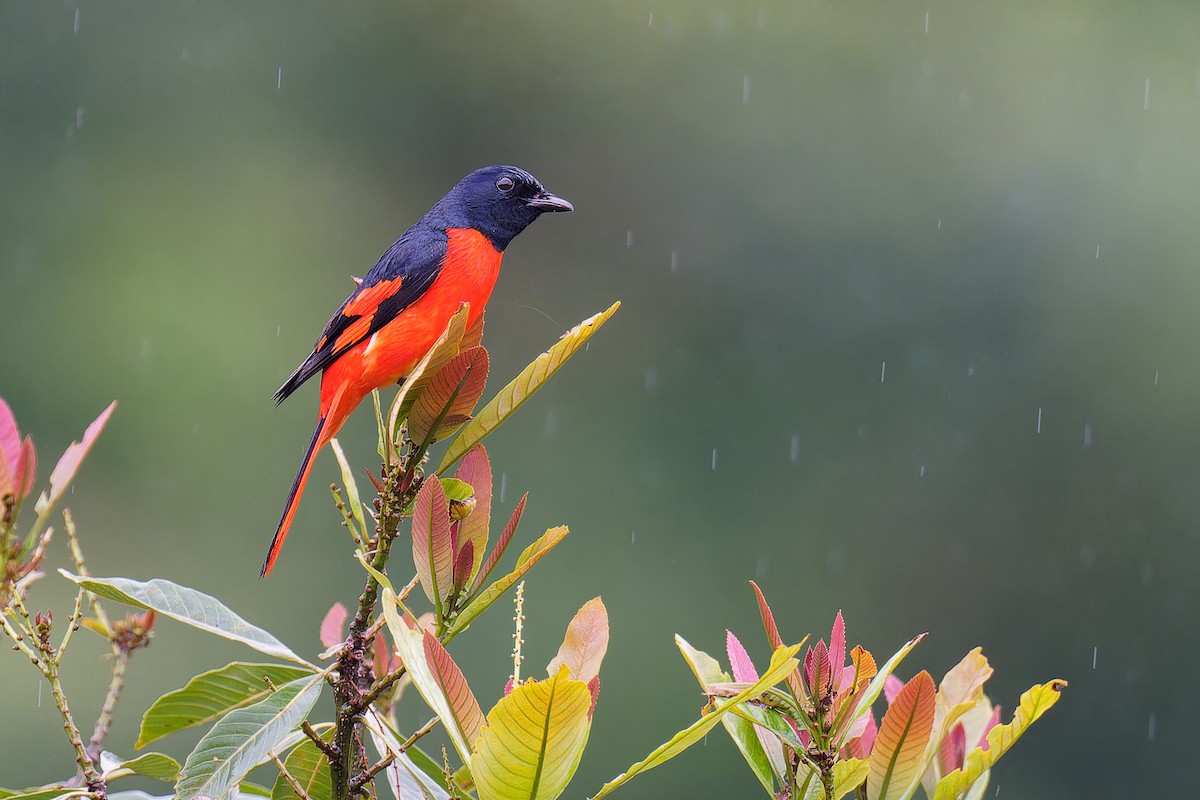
point(450, 256)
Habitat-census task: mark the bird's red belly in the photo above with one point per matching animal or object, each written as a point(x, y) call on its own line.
point(468, 274)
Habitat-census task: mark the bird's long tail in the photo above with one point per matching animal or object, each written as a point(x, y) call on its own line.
point(293, 500)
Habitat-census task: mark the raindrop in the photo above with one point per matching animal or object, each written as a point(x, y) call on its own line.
point(279, 79)
point(795, 449)
point(746, 89)
point(650, 24)
point(674, 260)
point(1087, 434)
point(1095, 654)
point(650, 376)
point(77, 20)
point(78, 117)
point(195, 429)
point(503, 485)
point(1097, 252)
point(927, 22)
point(1146, 97)
point(1150, 728)
point(883, 372)
point(552, 422)
point(761, 568)
point(278, 330)
point(939, 223)
point(633, 537)
point(1156, 377)
point(714, 458)
point(970, 372)
point(629, 238)
point(1039, 420)
point(921, 474)
point(183, 55)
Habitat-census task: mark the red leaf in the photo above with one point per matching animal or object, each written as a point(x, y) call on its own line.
point(991, 723)
point(10, 435)
point(768, 619)
point(816, 669)
point(861, 747)
point(463, 704)
point(891, 687)
point(454, 389)
point(476, 471)
point(333, 627)
point(433, 554)
point(26, 474)
point(594, 688)
point(739, 660)
point(462, 564)
point(502, 543)
point(383, 655)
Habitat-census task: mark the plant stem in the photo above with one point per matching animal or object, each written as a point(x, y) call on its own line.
point(351, 687)
point(104, 720)
point(91, 777)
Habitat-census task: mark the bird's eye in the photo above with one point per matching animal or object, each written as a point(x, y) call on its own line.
point(505, 185)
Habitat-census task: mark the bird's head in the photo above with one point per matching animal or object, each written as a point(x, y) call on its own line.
point(498, 201)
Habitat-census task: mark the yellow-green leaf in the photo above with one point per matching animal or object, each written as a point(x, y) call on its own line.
point(1035, 702)
point(533, 740)
point(522, 387)
point(530, 556)
point(782, 662)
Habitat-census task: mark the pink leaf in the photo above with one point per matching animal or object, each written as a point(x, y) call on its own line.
point(333, 627)
point(861, 747)
point(954, 748)
point(816, 669)
point(991, 723)
point(739, 660)
point(501, 543)
point(26, 474)
point(891, 687)
point(476, 471)
point(433, 554)
point(383, 656)
point(585, 644)
point(64, 471)
point(462, 702)
point(837, 651)
point(451, 394)
point(10, 435)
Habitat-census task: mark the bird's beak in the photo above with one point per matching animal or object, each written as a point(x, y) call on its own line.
point(544, 201)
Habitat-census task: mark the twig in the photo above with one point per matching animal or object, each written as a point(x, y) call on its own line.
point(381, 686)
point(81, 567)
point(321, 744)
point(287, 776)
point(105, 718)
point(362, 779)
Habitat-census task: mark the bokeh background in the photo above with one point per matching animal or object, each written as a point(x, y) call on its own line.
point(909, 329)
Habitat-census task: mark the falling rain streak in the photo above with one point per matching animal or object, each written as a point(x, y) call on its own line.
point(746, 89)
point(882, 371)
point(1039, 420)
point(714, 458)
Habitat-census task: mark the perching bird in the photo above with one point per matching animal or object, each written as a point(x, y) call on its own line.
point(450, 256)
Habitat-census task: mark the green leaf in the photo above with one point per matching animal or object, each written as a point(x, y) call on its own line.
point(457, 491)
point(244, 737)
point(449, 397)
point(189, 607)
point(308, 765)
point(522, 387)
point(533, 740)
point(1035, 702)
point(158, 766)
point(353, 502)
point(782, 662)
point(525, 562)
point(210, 696)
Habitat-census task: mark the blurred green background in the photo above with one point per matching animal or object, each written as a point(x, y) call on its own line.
point(997, 201)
